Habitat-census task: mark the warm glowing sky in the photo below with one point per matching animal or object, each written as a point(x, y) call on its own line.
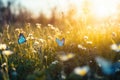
point(100, 8)
point(45, 5)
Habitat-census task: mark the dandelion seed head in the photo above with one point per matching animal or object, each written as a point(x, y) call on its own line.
point(30, 35)
point(11, 43)
point(3, 46)
point(45, 57)
point(17, 29)
point(41, 40)
point(53, 28)
point(55, 62)
point(81, 47)
point(63, 58)
point(36, 43)
point(89, 42)
point(115, 47)
point(4, 64)
point(90, 61)
point(50, 25)
point(63, 76)
point(85, 37)
point(14, 69)
point(118, 60)
point(38, 25)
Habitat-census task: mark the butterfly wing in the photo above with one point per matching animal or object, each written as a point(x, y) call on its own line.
point(59, 42)
point(21, 39)
point(116, 66)
point(106, 66)
point(63, 41)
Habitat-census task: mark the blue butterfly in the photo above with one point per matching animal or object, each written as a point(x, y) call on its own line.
point(60, 42)
point(21, 39)
point(107, 67)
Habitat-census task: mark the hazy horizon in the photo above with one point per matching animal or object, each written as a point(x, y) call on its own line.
point(99, 8)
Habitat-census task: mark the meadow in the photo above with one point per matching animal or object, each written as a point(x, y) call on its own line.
point(59, 52)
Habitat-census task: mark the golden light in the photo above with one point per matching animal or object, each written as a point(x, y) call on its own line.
point(104, 8)
point(99, 8)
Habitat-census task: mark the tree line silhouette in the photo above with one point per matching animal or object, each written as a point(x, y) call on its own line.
point(8, 16)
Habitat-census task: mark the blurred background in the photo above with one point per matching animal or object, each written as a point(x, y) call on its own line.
point(85, 28)
point(58, 11)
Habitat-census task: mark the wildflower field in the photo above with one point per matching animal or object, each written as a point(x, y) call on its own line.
point(66, 52)
point(59, 40)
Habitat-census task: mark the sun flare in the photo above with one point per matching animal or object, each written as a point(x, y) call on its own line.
point(104, 8)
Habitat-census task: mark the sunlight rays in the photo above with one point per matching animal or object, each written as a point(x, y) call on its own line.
point(104, 8)
point(99, 8)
